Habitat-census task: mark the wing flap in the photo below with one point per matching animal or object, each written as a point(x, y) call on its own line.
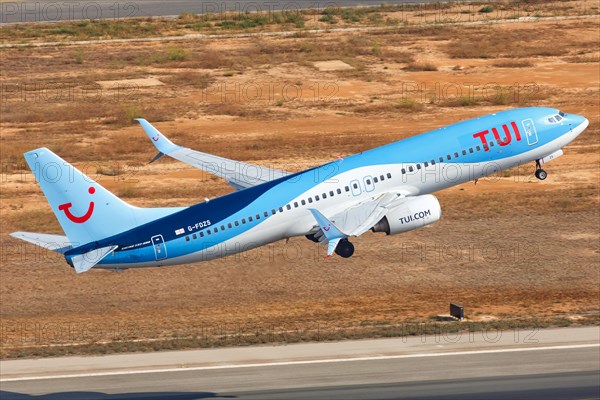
point(361, 217)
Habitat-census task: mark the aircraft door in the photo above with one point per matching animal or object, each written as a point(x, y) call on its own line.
point(160, 250)
point(355, 187)
point(369, 185)
point(530, 132)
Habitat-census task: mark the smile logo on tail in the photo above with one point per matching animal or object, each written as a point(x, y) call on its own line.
point(155, 138)
point(327, 228)
point(73, 218)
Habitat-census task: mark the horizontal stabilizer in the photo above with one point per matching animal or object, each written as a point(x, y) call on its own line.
point(57, 243)
point(84, 262)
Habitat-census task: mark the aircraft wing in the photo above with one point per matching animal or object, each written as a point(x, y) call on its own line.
point(238, 174)
point(361, 217)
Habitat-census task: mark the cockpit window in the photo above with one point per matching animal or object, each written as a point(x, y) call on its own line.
point(556, 118)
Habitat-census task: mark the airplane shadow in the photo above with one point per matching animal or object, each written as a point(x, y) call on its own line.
point(6, 395)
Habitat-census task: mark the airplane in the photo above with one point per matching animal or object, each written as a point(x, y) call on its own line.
point(387, 189)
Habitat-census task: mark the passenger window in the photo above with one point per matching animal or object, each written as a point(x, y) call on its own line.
point(236, 223)
point(229, 225)
point(418, 166)
point(216, 230)
point(403, 171)
point(324, 195)
point(441, 159)
point(187, 238)
point(243, 220)
point(303, 202)
point(310, 199)
point(410, 168)
point(382, 178)
point(448, 157)
point(273, 211)
point(331, 193)
point(266, 214)
point(492, 143)
point(355, 185)
point(194, 236)
point(478, 148)
point(288, 207)
point(368, 181)
point(425, 164)
point(280, 209)
point(376, 180)
point(201, 234)
point(389, 175)
point(347, 188)
point(222, 227)
point(249, 219)
point(455, 155)
point(296, 204)
point(470, 150)
point(208, 232)
point(317, 198)
point(432, 162)
point(339, 191)
point(464, 152)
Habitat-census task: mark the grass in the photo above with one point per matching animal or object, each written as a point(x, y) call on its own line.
point(420, 66)
point(240, 21)
point(513, 64)
point(477, 42)
point(228, 336)
point(297, 134)
point(188, 79)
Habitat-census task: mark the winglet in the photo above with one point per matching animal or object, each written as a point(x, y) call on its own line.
point(331, 232)
point(160, 141)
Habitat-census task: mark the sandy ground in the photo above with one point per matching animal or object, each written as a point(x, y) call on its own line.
point(508, 247)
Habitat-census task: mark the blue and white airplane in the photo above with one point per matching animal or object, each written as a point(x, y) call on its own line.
point(386, 189)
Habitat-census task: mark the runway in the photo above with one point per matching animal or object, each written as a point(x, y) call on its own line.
point(546, 364)
point(52, 11)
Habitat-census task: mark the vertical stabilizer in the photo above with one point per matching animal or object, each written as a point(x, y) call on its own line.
point(86, 211)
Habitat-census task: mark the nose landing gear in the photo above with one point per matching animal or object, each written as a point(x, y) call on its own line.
point(539, 172)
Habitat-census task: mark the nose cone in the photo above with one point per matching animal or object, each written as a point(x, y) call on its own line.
point(578, 124)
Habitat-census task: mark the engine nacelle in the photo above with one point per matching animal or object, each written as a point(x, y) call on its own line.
point(413, 213)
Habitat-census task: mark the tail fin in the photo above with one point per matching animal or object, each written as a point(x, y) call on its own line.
point(86, 211)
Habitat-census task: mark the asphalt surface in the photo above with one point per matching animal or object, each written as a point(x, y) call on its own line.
point(50, 10)
point(545, 364)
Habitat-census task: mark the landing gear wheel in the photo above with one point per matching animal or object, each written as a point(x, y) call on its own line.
point(541, 174)
point(344, 248)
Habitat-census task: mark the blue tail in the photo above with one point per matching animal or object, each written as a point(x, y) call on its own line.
point(86, 211)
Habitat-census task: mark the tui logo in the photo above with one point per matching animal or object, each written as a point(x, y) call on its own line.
point(73, 218)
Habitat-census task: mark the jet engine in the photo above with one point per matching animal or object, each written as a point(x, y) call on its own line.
point(413, 213)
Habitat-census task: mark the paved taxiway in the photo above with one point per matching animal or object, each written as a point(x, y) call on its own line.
point(549, 364)
point(51, 10)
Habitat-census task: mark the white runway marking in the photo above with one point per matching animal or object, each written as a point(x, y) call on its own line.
point(285, 363)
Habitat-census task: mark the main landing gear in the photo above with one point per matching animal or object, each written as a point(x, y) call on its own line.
point(344, 248)
point(539, 172)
